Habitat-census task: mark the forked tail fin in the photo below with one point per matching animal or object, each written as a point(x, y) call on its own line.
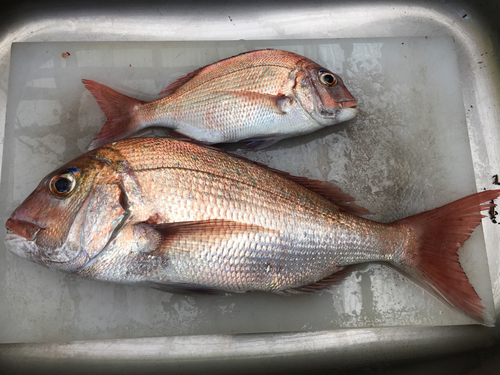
point(119, 110)
point(438, 234)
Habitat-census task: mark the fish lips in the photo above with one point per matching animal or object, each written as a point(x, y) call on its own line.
point(346, 114)
point(24, 229)
point(21, 240)
point(21, 247)
point(331, 117)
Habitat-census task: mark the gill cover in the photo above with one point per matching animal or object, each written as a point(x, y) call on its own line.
point(322, 94)
point(78, 211)
point(97, 222)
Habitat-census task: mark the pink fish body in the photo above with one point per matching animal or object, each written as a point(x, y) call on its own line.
point(171, 214)
point(261, 96)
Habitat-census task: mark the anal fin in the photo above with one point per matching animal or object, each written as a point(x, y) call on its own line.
point(325, 283)
point(185, 288)
point(258, 143)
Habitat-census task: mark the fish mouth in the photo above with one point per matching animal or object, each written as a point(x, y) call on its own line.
point(11, 237)
point(20, 240)
point(339, 114)
point(349, 104)
point(22, 228)
point(341, 111)
point(18, 245)
point(346, 114)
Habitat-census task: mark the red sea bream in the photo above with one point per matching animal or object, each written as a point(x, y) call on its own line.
point(260, 97)
point(172, 214)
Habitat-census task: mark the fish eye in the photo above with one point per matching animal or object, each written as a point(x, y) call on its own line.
point(64, 183)
point(327, 78)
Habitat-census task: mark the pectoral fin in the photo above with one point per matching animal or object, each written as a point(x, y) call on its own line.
point(280, 104)
point(192, 236)
point(164, 239)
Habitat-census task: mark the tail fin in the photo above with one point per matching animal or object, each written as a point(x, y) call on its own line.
point(440, 233)
point(119, 110)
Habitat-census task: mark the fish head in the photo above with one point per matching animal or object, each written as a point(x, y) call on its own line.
point(68, 218)
point(323, 95)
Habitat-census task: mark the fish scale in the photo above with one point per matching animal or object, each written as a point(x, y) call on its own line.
point(262, 96)
point(230, 189)
point(179, 216)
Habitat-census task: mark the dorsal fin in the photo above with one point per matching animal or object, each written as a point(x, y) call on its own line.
point(328, 191)
point(182, 80)
point(324, 189)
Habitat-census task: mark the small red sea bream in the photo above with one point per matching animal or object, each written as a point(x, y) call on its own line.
point(261, 97)
point(178, 216)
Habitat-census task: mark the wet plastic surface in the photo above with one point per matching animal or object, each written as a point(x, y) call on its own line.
point(408, 151)
point(475, 30)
